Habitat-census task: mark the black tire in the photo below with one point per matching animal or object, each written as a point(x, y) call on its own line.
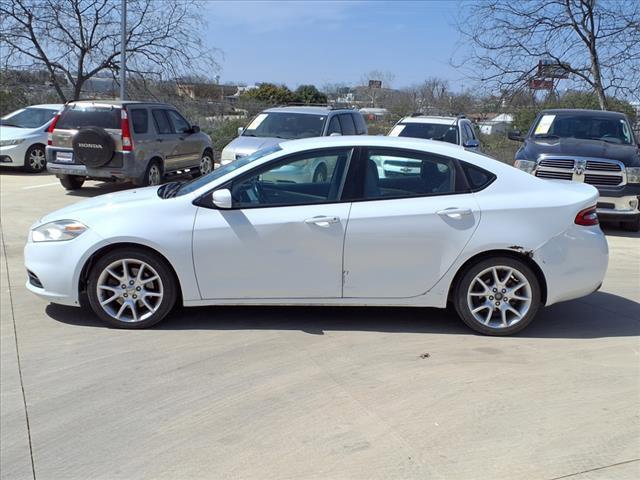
point(462, 288)
point(631, 226)
point(93, 147)
point(35, 160)
point(320, 174)
point(71, 182)
point(167, 277)
point(150, 177)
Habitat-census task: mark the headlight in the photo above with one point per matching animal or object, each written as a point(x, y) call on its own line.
point(633, 174)
point(6, 143)
point(59, 231)
point(525, 165)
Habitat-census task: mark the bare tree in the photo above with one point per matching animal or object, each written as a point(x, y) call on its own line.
point(76, 40)
point(595, 43)
point(373, 93)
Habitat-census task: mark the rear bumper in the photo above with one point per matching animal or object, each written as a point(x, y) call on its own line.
point(123, 166)
point(574, 263)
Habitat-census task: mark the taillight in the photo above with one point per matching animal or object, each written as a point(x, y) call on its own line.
point(52, 127)
point(587, 217)
point(127, 142)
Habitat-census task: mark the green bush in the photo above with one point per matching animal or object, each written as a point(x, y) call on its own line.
point(223, 131)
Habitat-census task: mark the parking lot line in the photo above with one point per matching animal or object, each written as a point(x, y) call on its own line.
point(40, 186)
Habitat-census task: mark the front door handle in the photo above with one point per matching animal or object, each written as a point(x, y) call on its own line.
point(322, 221)
point(453, 212)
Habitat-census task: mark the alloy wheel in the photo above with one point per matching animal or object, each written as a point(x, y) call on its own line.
point(499, 297)
point(155, 175)
point(129, 290)
point(37, 159)
point(206, 164)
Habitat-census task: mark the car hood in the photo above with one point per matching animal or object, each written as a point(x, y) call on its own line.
point(627, 154)
point(244, 145)
point(11, 133)
point(98, 209)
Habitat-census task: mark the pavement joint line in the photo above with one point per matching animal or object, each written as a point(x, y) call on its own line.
point(15, 337)
point(596, 469)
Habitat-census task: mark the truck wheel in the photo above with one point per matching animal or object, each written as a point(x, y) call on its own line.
point(72, 182)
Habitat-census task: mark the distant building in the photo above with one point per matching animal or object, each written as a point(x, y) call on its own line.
point(498, 125)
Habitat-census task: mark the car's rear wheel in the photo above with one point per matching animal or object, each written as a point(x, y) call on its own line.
point(152, 176)
point(498, 296)
point(35, 160)
point(72, 182)
point(131, 288)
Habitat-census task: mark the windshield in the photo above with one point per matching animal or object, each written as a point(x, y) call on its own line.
point(606, 129)
point(431, 131)
point(228, 168)
point(28, 117)
point(285, 125)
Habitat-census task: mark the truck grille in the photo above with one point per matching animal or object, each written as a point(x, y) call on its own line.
point(608, 173)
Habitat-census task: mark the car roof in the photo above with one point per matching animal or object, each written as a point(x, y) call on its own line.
point(430, 119)
point(435, 146)
point(48, 106)
point(580, 112)
point(305, 109)
point(116, 103)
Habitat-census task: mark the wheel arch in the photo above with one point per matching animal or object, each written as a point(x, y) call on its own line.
point(530, 262)
point(88, 265)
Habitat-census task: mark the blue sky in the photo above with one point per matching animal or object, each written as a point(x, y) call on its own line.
point(318, 42)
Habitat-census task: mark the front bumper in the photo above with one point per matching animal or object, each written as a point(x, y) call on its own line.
point(59, 281)
point(14, 155)
point(619, 208)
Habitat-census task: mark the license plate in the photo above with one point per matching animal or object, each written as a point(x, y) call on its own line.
point(64, 157)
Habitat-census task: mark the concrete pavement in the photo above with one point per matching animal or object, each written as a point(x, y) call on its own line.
point(322, 393)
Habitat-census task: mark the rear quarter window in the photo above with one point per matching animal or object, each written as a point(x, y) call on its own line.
point(75, 118)
point(140, 120)
point(478, 178)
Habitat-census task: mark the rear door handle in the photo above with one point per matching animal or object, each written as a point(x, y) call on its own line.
point(453, 212)
point(322, 221)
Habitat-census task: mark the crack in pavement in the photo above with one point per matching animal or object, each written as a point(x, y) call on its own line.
point(15, 337)
point(596, 469)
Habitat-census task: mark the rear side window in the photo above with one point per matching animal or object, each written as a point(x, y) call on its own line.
point(346, 121)
point(162, 122)
point(478, 178)
point(361, 126)
point(140, 120)
point(74, 117)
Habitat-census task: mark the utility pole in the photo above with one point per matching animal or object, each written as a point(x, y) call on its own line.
point(123, 49)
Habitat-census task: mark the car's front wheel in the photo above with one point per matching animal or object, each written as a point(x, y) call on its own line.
point(35, 160)
point(498, 296)
point(131, 288)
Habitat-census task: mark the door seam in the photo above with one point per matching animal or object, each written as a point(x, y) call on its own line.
point(344, 243)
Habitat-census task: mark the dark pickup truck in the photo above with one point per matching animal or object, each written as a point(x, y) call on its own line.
point(590, 146)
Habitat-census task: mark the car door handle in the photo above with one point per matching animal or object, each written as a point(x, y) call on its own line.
point(453, 212)
point(322, 221)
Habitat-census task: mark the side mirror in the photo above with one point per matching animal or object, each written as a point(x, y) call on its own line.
point(335, 134)
point(240, 130)
point(222, 198)
point(195, 129)
point(516, 135)
point(471, 143)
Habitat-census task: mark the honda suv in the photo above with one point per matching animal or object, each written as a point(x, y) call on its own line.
point(129, 141)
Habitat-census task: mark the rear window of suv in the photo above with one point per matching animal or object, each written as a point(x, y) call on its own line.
point(103, 117)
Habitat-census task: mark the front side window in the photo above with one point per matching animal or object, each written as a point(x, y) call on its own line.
point(348, 127)
point(285, 125)
point(162, 122)
point(391, 174)
point(28, 118)
point(431, 131)
point(334, 126)
point(179, 124)
point(309, 178)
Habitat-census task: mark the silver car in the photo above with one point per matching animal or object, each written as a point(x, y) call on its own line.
point(132, 141)
point(274, 125)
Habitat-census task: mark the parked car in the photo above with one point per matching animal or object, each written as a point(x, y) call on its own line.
point(457, 130)
point(127, 141)
point(587, 146)
point(273, 125)
point(23, 137)
point(491, 240)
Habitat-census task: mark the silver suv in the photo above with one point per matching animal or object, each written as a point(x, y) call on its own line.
point(457, 130)
point(273, 125)
point(114, 140)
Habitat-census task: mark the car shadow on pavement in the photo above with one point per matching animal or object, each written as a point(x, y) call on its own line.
point(19, 172)
point(90, 191)
point(612, 229)
point(596, 318)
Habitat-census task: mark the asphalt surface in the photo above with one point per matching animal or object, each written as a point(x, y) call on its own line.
point(322, 393)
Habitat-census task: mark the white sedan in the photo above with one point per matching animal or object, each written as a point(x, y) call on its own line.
point(466, 230)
